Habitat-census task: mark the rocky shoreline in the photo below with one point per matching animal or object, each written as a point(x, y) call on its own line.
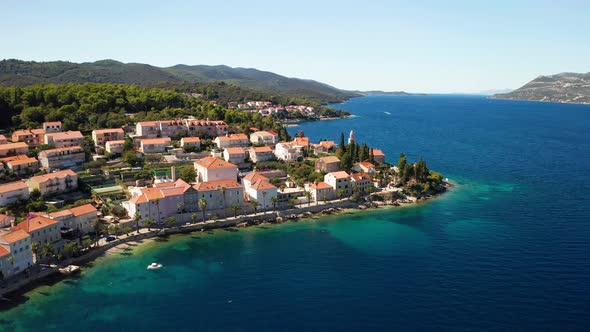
point(13, 294)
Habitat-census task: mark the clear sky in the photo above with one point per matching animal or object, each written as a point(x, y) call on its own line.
point(417, 46)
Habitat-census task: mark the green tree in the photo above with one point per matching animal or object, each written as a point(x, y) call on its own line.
point(149, 223)
point(170, 221)
point(137, 218)
point(254, 205)
point(274, 200)
point(346, 161)
point(308, 195)
point(188, 174)
point(203, 206)
point(127, 230)
point(235, 208)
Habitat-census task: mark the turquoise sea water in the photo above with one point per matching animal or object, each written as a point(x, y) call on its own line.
point(506, 249)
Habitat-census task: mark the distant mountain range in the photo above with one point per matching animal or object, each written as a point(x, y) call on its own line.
point(387, 93)
point(22, 73)
point(562, 88)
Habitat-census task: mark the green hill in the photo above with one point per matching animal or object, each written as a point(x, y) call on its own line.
point(23, 73)
point(562, 88)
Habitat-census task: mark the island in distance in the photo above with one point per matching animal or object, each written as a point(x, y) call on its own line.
point(560, 88)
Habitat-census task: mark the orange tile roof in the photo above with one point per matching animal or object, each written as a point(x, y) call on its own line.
point(108, 130)
point(83, 209)
point(327, 144)
point(28, 132)
point(147, 123)
point(61, 213)
point(215, 185)
point(57, 150)
point(262, 149)
point(303, 141)
point(15, 235)
point(22, 162)
point(160, 140)
point(255, 176)
point(235, 150)
point(4, 252)
point(138, 199)
point(340, 174)
point(12, 186)
point(152, 193)
point(190, 139)
point(367, 164)
point(233, 137)
point(272, 132)
point(320, 185)
point(16, 145)
point(52, 123)
point(330, 159)
point(262, 185)
point(360, 176)
point(167, 192)
point(39, 222)
point(50, 176)
point(11, 158)
point(377, 152)
point(72, 134)
point(212, 162)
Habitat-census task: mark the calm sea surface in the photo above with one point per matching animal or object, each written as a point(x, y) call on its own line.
point(507, 249)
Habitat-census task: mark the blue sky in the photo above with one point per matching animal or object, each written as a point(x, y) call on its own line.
point(418, 46)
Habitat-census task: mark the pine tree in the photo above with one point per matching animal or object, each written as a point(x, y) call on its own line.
point(362, 155)
point(346, 161)
point(371, 156)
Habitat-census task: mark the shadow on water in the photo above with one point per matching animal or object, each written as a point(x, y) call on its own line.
point(231, 230)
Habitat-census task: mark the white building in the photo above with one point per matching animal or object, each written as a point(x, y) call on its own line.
point(288, 152)
point(213, 169)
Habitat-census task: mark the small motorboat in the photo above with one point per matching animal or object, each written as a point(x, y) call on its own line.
point(154, 266)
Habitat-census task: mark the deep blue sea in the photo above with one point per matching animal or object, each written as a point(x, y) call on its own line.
point(507, 249)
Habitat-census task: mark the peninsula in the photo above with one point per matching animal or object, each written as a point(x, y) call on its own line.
point(84, 165)
point(560, 88)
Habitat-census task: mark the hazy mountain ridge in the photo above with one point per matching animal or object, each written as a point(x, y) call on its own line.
point(562, 88)
point(22, 73)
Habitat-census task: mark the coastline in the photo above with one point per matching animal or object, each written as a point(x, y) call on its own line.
point(13, 295)
point(296, 122)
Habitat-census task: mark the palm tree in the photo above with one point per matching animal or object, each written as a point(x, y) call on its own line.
point(47, 250)
point(116, 229)
point(325, 199)
point(11, 260)
point(282, 187)
point(203, 206)
point(194, 217)
point(127, 230)
point(235, 208)
point(180, 206)
point(170, 221)
point(35, 246)
point(69, 249)
point(341, 193)
point(149, 223)
point(137, 218)
point(223, 190)
point(274, 200)
point(264, 193)
point(254, 205)
point(97, 225)
point(308, 195)
point(157, 202)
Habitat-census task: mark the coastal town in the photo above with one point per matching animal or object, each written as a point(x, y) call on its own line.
point(167, 173)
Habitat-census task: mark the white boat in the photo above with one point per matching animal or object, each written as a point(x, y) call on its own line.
point(154, 266)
